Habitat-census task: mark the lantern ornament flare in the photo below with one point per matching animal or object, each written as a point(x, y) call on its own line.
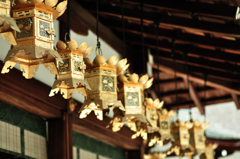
point(180, 131)
point(197, 137)
point(7, 23)
point(71, 72)
point(35, 41)
point(209, 151)
point(131, 93)
point(102, 99)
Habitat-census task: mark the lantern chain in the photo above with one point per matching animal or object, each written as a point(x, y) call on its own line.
point(158, 72)
point(175, 71)
point(205, 88)
point(68, 19)
point(144, 64)
point(185, 56)
point(123, 29)
point(97, 32)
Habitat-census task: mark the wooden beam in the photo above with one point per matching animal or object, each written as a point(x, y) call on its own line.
point(30, 95)
point(83, 15)
point(236, 100)
point(165, 66)
point(199, 64)
point(194, 96)
point(193, 8)
point(226, 29)
point(225, 144)
point(210, 101)
point(211, 54)
point(60, 137)
point(95, 128)
point(180, 37)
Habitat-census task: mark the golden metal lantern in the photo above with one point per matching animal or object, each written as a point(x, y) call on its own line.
point(102, 78)
point(131, 93)
point(180, 132)
point(71, 72)
point(35, 41)
point(197, 137)
point(164, 124)
point(152, 108)
point(7, 24)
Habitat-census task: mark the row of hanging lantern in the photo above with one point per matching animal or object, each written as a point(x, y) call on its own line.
point(109, 89)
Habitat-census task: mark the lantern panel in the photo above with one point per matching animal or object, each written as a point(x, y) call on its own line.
point(108, 84)
point(25, 26)
point(102, 80)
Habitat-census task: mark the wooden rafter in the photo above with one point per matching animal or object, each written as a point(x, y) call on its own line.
point(166, 66)
point(213, 10)
point(224, 29)
point(236, 100)
point(180, 37)
point(194, 96)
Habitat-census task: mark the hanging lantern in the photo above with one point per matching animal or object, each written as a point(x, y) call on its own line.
point(152, 108)
point(7, 24)
point(35, 41)
point(164, 124)
point(131, 94)
point(71, 72)
point(101, 75)
point(180, 131)
point(197, 137)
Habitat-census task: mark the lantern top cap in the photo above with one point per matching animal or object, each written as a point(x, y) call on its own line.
point(134, 78)
point(179, 123)
point(51, 5)
point(156, 103)
point(204, 125)
point(73, 46)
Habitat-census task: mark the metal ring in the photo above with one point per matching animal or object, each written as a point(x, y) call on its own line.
point(100, 51)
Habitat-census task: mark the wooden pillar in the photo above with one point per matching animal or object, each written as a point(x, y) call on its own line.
point(138, 154)
point(60, 136)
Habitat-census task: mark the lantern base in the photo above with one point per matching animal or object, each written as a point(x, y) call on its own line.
point(99, 107)
point(32, 53)
point(29, 66)
point(68, 86)
point(7, 27)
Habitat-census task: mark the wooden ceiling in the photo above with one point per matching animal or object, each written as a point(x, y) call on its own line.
point(201, 35)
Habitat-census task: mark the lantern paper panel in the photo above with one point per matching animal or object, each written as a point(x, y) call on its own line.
point(7, 24)
point(35, 41)
point(102, 98)
point(180, 132)
point(197, 137)
point(71, 72)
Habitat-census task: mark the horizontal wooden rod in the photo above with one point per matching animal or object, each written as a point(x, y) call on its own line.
point(166, 67)
point(226, 29)
point(185, 105)
point(194, 8)
point(180, 37)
